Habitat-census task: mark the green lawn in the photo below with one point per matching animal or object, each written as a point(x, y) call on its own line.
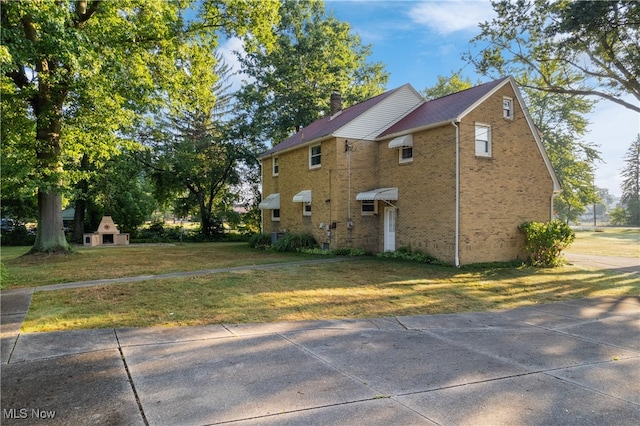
point(357, 288)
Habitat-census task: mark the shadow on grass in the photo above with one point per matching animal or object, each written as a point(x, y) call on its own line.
point(364, 288)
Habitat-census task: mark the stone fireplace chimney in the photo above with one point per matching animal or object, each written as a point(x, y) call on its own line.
point(336, 102)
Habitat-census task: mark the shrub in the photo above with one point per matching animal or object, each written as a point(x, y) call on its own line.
point(260, 241)
point(295, 242)
point(545, 242)
point(18, 236)
point(405, 253)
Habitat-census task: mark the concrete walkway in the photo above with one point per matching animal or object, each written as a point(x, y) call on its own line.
point(573, 362)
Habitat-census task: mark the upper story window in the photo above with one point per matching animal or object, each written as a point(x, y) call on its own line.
point(404, 145)
point(507, 108)
point(406, 154)
point(276, 168)
point(483, 140)
point(315, 156)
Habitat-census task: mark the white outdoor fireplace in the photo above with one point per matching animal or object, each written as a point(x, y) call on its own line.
point(107, 234)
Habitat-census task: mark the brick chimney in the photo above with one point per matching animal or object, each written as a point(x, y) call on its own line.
point(336, 102)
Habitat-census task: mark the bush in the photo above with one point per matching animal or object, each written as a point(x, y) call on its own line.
point(260, 241)
point(405, 253)
point(18, 236)
point(545, 242)
point(295, 242)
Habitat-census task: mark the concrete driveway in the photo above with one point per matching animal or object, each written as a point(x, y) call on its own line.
point(573, 362)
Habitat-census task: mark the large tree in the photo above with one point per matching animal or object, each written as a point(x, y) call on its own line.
point(195, 154)
point(83, 71)
point(315, 54)
point(561, 120)
point(597, 42)
point(631, 183)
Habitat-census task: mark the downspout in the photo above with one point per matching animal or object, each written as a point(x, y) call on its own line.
point(457, 232)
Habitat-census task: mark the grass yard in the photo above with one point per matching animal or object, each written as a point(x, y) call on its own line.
point(356, 288)
point(623, 242)
point(126, 261)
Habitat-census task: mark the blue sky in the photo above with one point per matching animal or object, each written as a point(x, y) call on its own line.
point(420, 40)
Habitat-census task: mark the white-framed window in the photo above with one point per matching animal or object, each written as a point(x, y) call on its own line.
point(275, 215)
point(276, 167)
point(483, 140)
point(507, 108)
point(306, 209)
point(369, 207)
point(315, 156)
point(405, 154)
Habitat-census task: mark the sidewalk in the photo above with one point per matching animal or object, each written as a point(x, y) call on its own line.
point(573, 362)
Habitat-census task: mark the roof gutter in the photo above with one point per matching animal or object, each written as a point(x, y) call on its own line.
point(297, 146)
point(416, 129)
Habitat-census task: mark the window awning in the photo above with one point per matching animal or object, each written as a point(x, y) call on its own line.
point(405, 141)
point(385, 194)
point(302, 197)
point(272, 202)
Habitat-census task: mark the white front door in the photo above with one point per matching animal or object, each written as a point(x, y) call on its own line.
point(389, 229)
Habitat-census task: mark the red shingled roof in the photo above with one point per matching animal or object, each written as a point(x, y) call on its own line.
point(327, 125)
point(444, 109)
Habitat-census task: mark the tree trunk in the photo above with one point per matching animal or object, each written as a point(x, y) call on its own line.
point(50, 235)
point(81, 204)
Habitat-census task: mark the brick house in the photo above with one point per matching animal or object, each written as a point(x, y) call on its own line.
point(453, 177)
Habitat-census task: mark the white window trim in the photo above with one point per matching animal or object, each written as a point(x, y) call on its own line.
point(488, 152)
point(315, 166)
point(306, 206)
point(273, 217)
point(275, 167)
point(405, 160)
point(508, 116)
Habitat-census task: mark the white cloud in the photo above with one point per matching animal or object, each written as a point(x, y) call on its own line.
point(230, 49)
point(446, 17)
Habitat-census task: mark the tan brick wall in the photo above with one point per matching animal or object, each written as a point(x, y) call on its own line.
point(497, 194)
point(426, 191)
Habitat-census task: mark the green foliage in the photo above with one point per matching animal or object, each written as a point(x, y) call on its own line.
point(260, 241)
point(350, 252)
point(406, 253)
point(446, 86)
point(618, 216)
point(549, 39)
point(314, 54)
point(545, 242)
point(631, 183)
point(18, 236)
point(292, 241)
point(78, 76)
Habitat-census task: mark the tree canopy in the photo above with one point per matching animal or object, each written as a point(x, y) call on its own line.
point(572, 47)
point(82, 74)
point(631, 183)
point(314, 54)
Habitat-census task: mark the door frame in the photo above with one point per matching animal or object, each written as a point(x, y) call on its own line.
point(389, 235)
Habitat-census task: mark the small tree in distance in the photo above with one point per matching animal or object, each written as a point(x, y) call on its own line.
point(631, 183)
